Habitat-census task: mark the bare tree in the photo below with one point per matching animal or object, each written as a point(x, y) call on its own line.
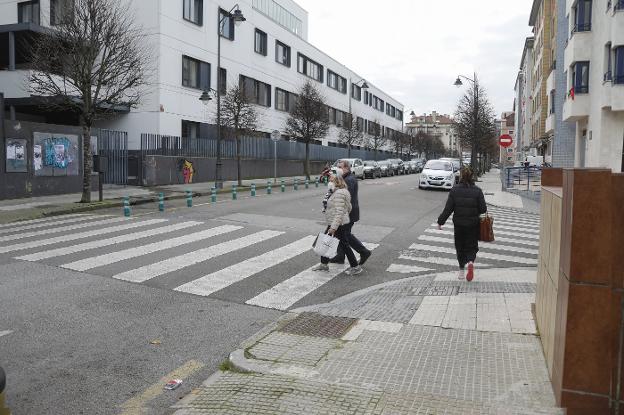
point(91, 63)
point(239, 116)
point(309, 120)
point(375, 140)
point(475, 122)
point(350, 133)
point(428, 145)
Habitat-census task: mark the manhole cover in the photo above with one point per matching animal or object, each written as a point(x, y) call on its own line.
point(317, 325)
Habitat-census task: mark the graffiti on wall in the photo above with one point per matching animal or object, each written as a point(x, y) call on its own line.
point(57, 155)
point(187, 169)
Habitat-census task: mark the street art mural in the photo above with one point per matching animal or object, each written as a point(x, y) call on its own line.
point(187, 169)
point(57, 155)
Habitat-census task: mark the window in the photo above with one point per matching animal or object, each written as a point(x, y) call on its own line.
point(356, 92)
point(257, 92)
point(582, 16)
point(309, 68)
point(193, 11)
point(28, 12)
point(378, 103)
point(331, 112)
point(195, 73)
point(360, 124)
point(399, 115)
point(260, 42)
point(580, 77)
point(222, 81)
point(341, 118)
point(284, 100)
point(552, 102)
point(336, 82)
point(227, 24)
point(618, 77)
point(365, 97)
point(59, 10)
point(279, 15)
point(608, 64)
point(190, 129)
point(282, 53)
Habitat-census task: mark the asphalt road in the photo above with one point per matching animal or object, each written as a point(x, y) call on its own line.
point(89, 341)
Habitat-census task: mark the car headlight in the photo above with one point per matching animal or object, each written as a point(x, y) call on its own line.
point(451, 176)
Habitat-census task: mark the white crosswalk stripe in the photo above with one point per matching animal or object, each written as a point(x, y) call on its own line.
point(437, 260)
point(65, 228)
point(182, 261)
point(224, 278)
point(482, 246)
point(285, 294)
point(528, 231)
point(72, 237)
point(486, 255)
point(48, 222)
point(405, 269)
point(521, 239)
point(111, 258)
point(52, 253)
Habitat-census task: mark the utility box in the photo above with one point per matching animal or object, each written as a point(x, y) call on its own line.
point(100, 164)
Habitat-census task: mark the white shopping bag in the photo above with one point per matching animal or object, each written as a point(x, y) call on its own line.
point(326, 245)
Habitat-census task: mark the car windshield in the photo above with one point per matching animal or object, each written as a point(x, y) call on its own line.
point(439, 165)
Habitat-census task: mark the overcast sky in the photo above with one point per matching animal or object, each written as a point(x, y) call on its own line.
point(414, 49)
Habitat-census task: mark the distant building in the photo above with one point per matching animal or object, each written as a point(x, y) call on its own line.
point(506, 126)
point(438, 125)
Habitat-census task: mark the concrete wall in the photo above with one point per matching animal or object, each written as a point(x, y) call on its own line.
point(27, 184)
point(163, 170)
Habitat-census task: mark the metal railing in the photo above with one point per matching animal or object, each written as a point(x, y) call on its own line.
point(523, 179)
point(251, 148)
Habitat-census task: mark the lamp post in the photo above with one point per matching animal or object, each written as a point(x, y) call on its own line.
point(475, 97)
point(237, 16)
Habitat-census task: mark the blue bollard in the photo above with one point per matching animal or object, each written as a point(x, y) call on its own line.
point(161, 202)
point(126, 206)
point(234, 195)
point(296, 185)
point(189, 198)
point(307, 183)
point(316, 182)
point(213, 195)
point(269, 191)
point(253, 190)
point(283, 186)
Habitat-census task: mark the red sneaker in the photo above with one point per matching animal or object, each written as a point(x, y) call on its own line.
point(470, 273)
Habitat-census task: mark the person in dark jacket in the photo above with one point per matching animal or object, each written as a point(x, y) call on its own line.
point(466, 202)
point(354, 216)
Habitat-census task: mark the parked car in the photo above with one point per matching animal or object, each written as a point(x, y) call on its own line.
point(438, 174)
point(371, 169)
point(457, 165)
point(412, 166)
point(357, 167)
point(419, 163)
point(385, 168)
point(397, 166)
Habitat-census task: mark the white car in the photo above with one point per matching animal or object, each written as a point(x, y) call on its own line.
point(357, 167)
point(437, 174)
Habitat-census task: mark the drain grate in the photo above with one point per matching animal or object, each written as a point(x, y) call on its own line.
point(317, 325)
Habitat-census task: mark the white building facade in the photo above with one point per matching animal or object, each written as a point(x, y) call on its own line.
point(437, 125)
point(268, 55)
point(594, 69)
point(523, 102)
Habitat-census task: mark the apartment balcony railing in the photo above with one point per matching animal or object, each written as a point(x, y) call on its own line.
point(608, 76)
point(581, 89)
point(582, 27)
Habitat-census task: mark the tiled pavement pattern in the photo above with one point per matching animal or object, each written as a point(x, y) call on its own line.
point(291, 348)
point(313, 324)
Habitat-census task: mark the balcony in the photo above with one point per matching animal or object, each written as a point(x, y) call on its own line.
point(617, 97)
point(617, 26)
point(605, 94)
point(579, 48)
point(577, 108)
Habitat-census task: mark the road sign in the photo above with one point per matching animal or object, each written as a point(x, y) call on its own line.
point(276, 135)
point(505, 140)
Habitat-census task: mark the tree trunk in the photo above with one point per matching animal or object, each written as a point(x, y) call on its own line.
point(238, 159)
point(306, 163)
point(87, 163)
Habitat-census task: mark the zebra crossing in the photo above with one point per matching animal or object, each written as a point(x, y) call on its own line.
point(199, 258)
point(516, 245)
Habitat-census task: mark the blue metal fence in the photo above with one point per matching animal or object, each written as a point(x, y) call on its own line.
point(527, 180)
point(251, 148)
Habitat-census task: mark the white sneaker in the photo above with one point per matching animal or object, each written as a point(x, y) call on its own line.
point(354, 270)
point(461, 274)
point(321, 267)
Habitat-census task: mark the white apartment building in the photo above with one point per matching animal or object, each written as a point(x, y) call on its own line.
point(594, 65)
point(523, 102)
point(269, 54)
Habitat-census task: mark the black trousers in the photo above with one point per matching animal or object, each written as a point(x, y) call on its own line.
point(466, 244)
point(342, 233)
point(354, 243)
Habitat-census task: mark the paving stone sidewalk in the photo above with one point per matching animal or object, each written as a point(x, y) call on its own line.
point(396, 348)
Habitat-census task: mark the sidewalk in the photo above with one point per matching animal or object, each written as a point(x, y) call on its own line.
point(491, 185)
point(13, 210)
point(423, 345)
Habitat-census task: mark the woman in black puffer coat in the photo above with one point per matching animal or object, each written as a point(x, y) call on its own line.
point(466, 202)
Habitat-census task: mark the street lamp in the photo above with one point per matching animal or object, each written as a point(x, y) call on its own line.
point(236, 15)
point(475, 97)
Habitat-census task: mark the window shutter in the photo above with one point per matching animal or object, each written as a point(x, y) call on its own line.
point(204, 76)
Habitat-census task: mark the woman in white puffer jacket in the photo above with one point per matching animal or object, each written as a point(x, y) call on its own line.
point(337, 206)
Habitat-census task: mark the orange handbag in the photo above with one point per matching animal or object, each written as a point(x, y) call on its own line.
point(486, 229)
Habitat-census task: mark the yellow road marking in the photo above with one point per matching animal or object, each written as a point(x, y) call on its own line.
point(136, 405)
